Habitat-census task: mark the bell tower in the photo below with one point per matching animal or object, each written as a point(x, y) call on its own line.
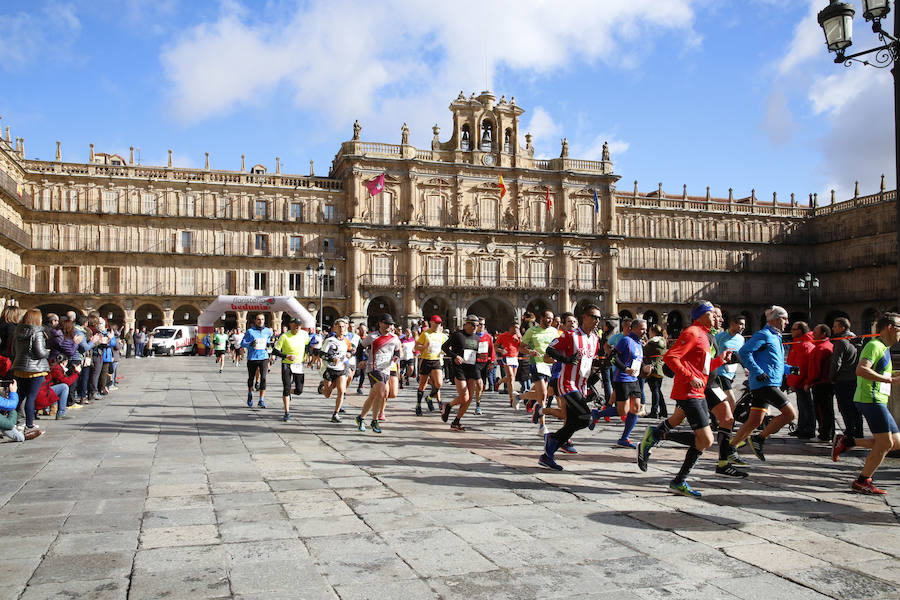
point(485, 131)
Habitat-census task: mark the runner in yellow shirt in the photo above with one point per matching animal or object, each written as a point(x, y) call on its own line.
point(431, 368)
point(291, 347)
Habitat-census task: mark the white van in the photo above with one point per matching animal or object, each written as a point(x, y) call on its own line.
point(173, 339)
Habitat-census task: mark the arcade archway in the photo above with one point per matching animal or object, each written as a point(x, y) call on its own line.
point(329, 316)
point(437, 305)
point(113, 314)
point(186, 315)
point(58, 309)
point(537, 306)
point(149, 316)
point(377, 307)
point(498, 314)
point(651, 317)
point(674, 324)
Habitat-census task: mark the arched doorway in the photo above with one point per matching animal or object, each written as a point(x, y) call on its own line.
point(582, 305)
point(59, 310)
point(651, 317)
point(674, 324)
point(869, 316)
point(185, 315)
point(830, 317)
point(149, 316)
point(228, 320)
point(799, 316)
point(537, 306)
point(377, 307)
point(437, 305)
point(113, 314)
point(329, 316)
point(498, 314)
point(625, 314)
point(748, 320)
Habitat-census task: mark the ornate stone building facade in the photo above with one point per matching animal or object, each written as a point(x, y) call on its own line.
point(151, 245)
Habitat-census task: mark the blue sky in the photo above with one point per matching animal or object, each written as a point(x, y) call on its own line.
point(738, 94)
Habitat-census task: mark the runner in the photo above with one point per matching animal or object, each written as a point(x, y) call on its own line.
point(508, 347)
point(534, 343)
point(873, 391)
point(429, 345)
point(236, 338)
point(316, 341)
point(691, 361)
point(487, 358)
point(255, 340)
point(575, 351)
point(335, 352)
point(763, 357)
point(730, 339)
point(352, 362)
point(628, 358)
point(570, 323)
point(220, 343)
point(462, 348)
point(290, 348)
point(383, 347)
point(407, 357)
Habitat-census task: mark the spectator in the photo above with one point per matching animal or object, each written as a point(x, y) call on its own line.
point(9, 319)
point(128, 339)
point(818, 382)
point(798, 356)
point(8, 415)
point(85, 348)
point(140, 341)
point(653, 356)
point(55, 388)
point(30, 365)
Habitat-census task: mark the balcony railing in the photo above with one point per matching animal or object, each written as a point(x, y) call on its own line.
point(589, 285)
point(18, 194)
point(13, 282)
point(523, 282)
point(378, 280)
point(16, 234)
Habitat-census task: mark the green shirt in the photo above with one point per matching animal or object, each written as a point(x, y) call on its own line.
point(293, 344)
point(219, 341)
point(868, 391)
point(538, 338)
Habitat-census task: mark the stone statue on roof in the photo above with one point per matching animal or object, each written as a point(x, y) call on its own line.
point(605, 155)
point(404, 135)
point(565, 149)
point(356, 129)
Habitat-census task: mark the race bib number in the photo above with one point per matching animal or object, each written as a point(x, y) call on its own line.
point(260, 343)
point(584, 367)
point(469, 356)
point(482, 347)
point(636, 364)
point(296, 367)
point(884, 388)
point(731, 368)
point(542, 368)
point(434, 347)
point(706, 364)
point(512, 361)
point(718, 393)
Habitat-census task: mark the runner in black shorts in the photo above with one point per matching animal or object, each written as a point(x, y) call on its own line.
point(462, 349)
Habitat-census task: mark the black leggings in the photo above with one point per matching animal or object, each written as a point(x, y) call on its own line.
point(291, 380)
point(578, 416)
point(252, 366)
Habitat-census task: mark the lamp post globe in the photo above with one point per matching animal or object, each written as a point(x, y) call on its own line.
point(836, 21)
point(875, 9)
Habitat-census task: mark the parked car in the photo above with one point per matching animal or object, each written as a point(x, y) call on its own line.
point(174, 339)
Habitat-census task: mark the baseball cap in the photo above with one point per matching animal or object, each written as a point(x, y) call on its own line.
point(436, 319)
point(472, 319)
point(387, 318)
point(295, 321)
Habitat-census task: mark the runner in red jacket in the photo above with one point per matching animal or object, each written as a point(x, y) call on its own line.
point(692, 363)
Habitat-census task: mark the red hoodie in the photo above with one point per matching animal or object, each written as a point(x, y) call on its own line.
point(819, 362)
point(47, 396)
point(687, 359)
point(798, 356)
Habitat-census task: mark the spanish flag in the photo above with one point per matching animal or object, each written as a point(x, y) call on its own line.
point(502, 187)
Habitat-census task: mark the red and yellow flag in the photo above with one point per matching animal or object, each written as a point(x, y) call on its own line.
point(502, 187)
point(549, 201)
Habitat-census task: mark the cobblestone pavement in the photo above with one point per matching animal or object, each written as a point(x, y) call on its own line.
point(173, 488)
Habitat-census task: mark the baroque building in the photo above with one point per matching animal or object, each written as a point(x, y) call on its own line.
point(475, 223)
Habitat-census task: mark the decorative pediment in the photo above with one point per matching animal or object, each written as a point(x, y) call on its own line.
point(438, 182)
point(539, 252)
point(437, 247)
point(383, 246)
point(488, 186)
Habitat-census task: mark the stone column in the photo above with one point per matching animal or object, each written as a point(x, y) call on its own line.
point(354, 266)
point(276, 320)
point(168, 317)
point(565, 299)
point(129, 319)
point(611, 305)
point(241, 320)
point(412, 312)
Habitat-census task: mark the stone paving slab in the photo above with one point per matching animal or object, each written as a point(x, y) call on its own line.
point(172, 488)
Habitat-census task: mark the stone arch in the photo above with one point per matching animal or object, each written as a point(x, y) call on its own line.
point(674, 323)
point(582, 305)
point(625, 314)
point(148, 315)
point(538, 305)
point(869, 317)
point(798, 315)
point(376, 307)
point(651, 317)
point(113, 313)
point(186, 314)
point(329, 315)
point(59, 308)
point(498, 313)
point(437, 305)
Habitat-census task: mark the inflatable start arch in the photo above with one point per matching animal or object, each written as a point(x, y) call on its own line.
point(224, 304)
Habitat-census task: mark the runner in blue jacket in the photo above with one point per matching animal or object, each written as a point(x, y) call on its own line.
point(255, 340)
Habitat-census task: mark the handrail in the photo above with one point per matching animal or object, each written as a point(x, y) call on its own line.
point(14, 283)
point(16, 234)
point(15, 191)
point(380, 280)
point(464, 282)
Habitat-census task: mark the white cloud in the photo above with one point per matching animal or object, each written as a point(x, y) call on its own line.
point(593, 150)
point(351, 60)
point(808, 41)
point(778, 122)
point(545, 131)
point(26, 38)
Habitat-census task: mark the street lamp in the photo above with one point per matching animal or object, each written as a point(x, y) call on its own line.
point(806, 284)
point(321, 273)
point(836, 20)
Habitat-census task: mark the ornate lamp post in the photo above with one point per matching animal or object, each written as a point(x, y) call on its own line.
point(321, 272)
point(807, 283)
point(836, 20)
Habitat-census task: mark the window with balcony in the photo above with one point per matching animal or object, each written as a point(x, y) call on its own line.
point(231, 285)
point(437, 271)
point(381, 209)
point(382, 270)
point(186, 282)
point(328, 284)
point(187, 241)
point(188, 205)
point(149, 203)
point(295, 282)
point(538, 214)
point(328, 245)
point(328, 213)
point(434, 211)
point(46, 196)
point(489, 273)
point(260, 283)
point(585, 276)
point(585, 218)
point(538, 273)
point(73, 200)
point(42, 279)
point(261, 243)
point(109, 280)
point(259, 209)
point(295, 244)
point(487, 213)
point(296, 211)
point(68, 280)
point(223, 205)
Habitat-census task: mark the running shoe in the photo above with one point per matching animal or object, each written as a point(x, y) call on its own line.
point(643, 454)
point(518, 405)
point(445, 413)
point(261, 403)
point(543, 430)
point(735, 459)
point(546, 461)
point(724, 468)
point(536, 414)
point(550, 445)
point(595, 418)
point(418, 410)
point(374, 426)
point(569, 448)
point(756, 444)
point(322, 387)
point(838, 446)
point(625, 443)
point(684, 489)
point(287, 417)
point(478, 410)
point(866, 487)
point(335, 418)
point(381, 416)
point(529, 406)
point(457, 426)
point(430, 402)
point(250, 399)
point(359, 423)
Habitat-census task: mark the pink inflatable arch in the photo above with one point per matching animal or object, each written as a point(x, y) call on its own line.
point(252, 304)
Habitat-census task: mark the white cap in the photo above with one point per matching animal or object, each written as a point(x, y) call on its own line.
point(776, 312)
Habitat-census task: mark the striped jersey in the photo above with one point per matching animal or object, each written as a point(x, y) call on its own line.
point(573, 377)
point(382, 349)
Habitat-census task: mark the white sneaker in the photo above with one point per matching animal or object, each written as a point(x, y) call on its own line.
point(518, 406)
point(543, 430)
point(15, 435)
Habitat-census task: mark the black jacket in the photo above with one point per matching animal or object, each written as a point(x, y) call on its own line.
point(31, 350)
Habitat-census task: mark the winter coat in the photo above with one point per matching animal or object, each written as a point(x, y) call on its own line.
point(46, 396)
point(31, 350)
